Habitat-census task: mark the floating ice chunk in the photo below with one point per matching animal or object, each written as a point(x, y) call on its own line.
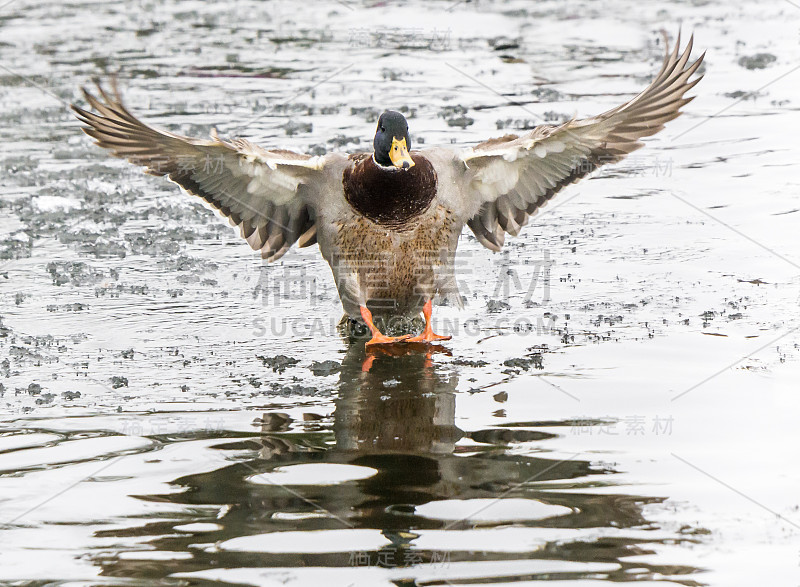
point(314, 474)
point(507, 509)
point(104, 187)
point(317, 541)
point(53, 203)
point(197, 527)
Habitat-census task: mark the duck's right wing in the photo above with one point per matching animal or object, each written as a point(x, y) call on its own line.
point(269, 195)
point(509, 179)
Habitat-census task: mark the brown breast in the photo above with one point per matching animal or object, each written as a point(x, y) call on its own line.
point(390, 197)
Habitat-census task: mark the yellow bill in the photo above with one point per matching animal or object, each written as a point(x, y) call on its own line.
point(399, 154)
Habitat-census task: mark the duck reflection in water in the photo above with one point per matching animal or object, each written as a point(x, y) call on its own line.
point(398, 419)
point(395, 413)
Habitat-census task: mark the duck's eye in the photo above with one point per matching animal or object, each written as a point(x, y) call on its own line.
point(383, 129)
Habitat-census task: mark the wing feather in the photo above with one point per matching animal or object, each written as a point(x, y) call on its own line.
point(509, 178)
point(257, 190)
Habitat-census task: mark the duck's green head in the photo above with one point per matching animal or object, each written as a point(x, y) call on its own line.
point(391, 141)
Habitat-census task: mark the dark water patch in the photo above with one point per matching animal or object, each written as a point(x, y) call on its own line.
point(757, 61)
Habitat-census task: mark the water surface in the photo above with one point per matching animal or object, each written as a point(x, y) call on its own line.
point(618, 403)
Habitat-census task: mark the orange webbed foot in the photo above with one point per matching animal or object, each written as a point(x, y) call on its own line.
point(381, 339)
point(428, 337)
point(378, 338)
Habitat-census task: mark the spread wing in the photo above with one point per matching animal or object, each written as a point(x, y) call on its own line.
point(508, 179)
point(267, 194)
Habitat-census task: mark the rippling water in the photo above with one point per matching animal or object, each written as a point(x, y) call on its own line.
point(618, 403)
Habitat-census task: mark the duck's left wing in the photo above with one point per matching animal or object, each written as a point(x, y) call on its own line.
point(506, 180)
point(270, 195)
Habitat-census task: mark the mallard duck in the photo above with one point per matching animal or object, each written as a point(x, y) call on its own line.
point(388, 222)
